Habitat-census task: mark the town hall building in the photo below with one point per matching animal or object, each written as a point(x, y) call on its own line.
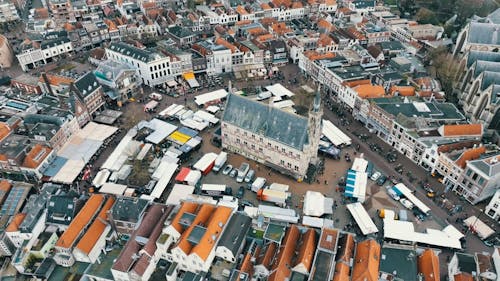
point(283, 141)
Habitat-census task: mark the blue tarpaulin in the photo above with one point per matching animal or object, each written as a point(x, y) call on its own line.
point(55, 166)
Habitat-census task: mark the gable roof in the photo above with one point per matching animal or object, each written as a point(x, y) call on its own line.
point(36, 156)
point(461, 130)
point(186, 207)
point(214, 229)
point(87, 84)
point(62, 208)
point(307, 250)
point(370, 91)
point(235, 232)
point(202, 217)
point(428, 265)
point(267, 257)
point(470, 154)
point(75, 228)
point(463, 276)
point(269, 121)
point(94, 232)
point(16, 222)
point(281, 266)
point(366, 261)
point(4, 130)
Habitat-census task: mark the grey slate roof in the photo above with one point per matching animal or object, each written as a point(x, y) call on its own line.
point(131, 51)
point(53, 43)
point(485, 165)
point(474, 56)
point(437, 111)
point(87, 84)
point(268, 121)
point(129, 209)
point(400, 260)
point(482, 65)
point(235, 232)
point(63, 208)
point(484, 33)
point(36, 206)
point(466, 262)
point(489, 78)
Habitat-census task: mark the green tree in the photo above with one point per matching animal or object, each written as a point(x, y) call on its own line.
point(425, 16)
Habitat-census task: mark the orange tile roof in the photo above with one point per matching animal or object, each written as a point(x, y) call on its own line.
point(68, 27)
point(247, 264)
point(428, 265)
point(243, 22)
point(15, 223)
point(313, 55)
point(95, 231)
point(324, 40)
point(370, 91)
point(341, 272)
point(57, 80)
point(366, 261)
point(241, 10)
point(186, 207)
point(470, 154)
point(281, 266)
point(223, 42)
point(265, 37)
point(307, 249)
point(463, 130)
point(322, 23)
point(297, 5)
point(214, 230)
point(148, 5)
point(464, 276)
point(69, 237)
point(111, 25)
point(36, 156)
point(330, 2)
point(268, 256)
point(201, 218)
point(265, 6)
point(5, 186)
point(4, 130)
point(328, 239)
point(280, 28)
point(256, 31)
point(355, 83)
point(405, 91)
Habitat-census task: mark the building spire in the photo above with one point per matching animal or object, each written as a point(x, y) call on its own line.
point(317, 99)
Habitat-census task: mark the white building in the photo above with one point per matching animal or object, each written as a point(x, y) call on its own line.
point(493, 208)
point(47, 51)
point(283, 141)
point(152, 67)
point(8, 11)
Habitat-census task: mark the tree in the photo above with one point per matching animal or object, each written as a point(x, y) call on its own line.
point(425, 16)
point(444, 67)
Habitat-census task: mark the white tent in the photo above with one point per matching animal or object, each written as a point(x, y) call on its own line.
point(405, 231)
point(479, 227)
point(362, 218)
point(409, 195)
point(161, 130)
point(279, 90)
point(69, 172)
point(210, 97)
point(98, 132)
point(205, 116)
point(316, 205)
point(125, 146)
point(193, 124)
point(165, 178)
point(113, 188)
point(334, 134)
point(144, 150)
point(359, 165)
point(101, 177)
point(179, 192)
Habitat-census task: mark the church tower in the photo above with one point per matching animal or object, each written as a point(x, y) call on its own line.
point(315, 117)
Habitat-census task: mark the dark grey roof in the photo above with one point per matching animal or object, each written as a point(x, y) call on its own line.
point(235, 232)
point(196, 234)
point(36, 206)
point(268, 121)
point(361, 4)
point(436, 111)
point(131, 51)
point(63, 208)
point(87, 84)
point(485, 165)
point(128, 209)
point(401, 261)
point(54, 42)
point(495, 122)
point(484, 33)
point(466, 263)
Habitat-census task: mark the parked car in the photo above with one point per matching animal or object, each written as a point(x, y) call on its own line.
point(407, 203)
point(227, 169)
point(233, 172)
point(246, 203)
point(250, 175)
point(375, 176)
point(241, 192)
point(381, 180)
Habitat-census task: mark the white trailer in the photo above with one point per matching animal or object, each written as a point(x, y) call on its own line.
point(279, 187)
point(150, 106)
point(274, 196)
point(258, 183)
point(101, 177)
point(220, 161)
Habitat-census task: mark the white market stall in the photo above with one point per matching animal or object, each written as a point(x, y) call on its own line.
point(362, 218)
point(316, 204)
point(179, 193)
point(211, 97)
point(334, 134)
point(478, 226)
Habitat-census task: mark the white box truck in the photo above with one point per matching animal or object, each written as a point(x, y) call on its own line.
point(257, 184)
point(279, 187)
point(220, 161)
point(275, 196)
